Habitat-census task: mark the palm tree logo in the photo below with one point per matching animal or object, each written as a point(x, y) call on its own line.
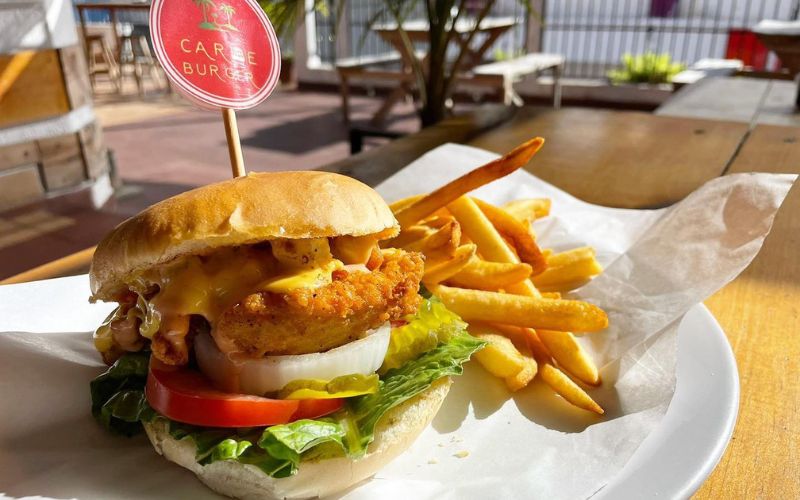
point(204, 5)
point(223, 10)
point(228, 11)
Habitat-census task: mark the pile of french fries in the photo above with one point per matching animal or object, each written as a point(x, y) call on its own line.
point(483, 262)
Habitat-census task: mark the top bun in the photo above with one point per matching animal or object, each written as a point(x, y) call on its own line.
point(242, 211)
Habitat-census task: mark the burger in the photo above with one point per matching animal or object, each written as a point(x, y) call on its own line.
point(266, 340)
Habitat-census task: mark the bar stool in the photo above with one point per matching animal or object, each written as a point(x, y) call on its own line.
point(101, 60)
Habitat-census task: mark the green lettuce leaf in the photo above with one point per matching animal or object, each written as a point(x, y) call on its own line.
point(119, 404)
point(289, 441)
point(402, 384)
point(118, 394)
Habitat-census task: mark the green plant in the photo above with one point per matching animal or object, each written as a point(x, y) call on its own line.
point(436, 78)
point(505, 55)
point(646, 68)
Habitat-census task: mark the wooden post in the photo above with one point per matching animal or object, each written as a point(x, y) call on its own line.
point(234, 147)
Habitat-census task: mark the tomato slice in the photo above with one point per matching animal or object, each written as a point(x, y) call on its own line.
point(187, 396)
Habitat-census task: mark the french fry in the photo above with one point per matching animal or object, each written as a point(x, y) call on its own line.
point(436, 272)
point(568, 389)
point(528, 223)
point(549, 373)
point(499, 357)
point(480, 230)
point(476, 249)
point(528, 209)
point(491, 246)
point(437, 221)
point(524, 336)
point(404, 202)
point(533, 312)
point(571, 256)
point(524, 376)
point(442, 241)
point(569, 355)
point(483, 275)
point(569, 269)
point(495, 169)
point(511, 228)
point(408, 236)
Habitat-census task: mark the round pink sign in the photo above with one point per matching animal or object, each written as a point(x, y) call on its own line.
point(219, 53)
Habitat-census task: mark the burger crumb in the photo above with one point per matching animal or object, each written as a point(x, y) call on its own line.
point(440, 445)
point(456, 439)
point(461, 454)
point(433, 461)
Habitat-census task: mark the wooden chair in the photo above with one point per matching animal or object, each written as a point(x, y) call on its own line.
point(135, 51)
point(101, 60)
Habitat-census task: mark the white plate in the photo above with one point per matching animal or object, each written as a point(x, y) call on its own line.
point(680, 454)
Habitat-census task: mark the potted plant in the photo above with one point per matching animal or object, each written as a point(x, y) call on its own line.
point(648, 68)
point(436, 82)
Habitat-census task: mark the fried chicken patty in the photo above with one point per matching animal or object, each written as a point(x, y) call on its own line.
point(315, 320)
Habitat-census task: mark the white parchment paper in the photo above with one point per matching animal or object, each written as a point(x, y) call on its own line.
point(658, 263)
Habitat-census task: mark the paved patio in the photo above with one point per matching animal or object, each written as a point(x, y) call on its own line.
point(290, 131)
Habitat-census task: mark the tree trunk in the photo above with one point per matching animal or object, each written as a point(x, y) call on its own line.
point(432, 113)
point(433, 109)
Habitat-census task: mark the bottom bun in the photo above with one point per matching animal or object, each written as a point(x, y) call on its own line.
point(395, 432)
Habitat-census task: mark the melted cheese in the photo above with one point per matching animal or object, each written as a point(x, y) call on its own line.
point(210, 285)
point(302, 278)
point(354, 249)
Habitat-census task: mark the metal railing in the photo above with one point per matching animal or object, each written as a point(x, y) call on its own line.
point(594, 34)
point(357, 39)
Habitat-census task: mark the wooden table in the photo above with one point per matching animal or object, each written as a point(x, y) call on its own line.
point(747, 100)
point(491, 28)
point(417, 30)
point(620, 159)
point(639, 160)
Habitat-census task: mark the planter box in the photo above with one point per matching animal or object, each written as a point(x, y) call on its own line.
point(49, 140)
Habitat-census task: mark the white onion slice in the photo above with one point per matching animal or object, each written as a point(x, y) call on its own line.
point(260, 376)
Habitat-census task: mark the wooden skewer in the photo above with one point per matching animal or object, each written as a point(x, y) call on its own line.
point(234, 146)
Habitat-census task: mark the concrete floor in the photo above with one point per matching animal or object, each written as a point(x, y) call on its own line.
point(162, 147)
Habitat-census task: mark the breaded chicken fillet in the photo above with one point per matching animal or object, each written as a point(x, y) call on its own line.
point(316, 320)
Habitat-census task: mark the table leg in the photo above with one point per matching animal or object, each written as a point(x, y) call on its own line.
point(344, 88)
point(84, 32)
point(557, 86)
point(396, 95)
point(117, 48)
point(477, 55)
